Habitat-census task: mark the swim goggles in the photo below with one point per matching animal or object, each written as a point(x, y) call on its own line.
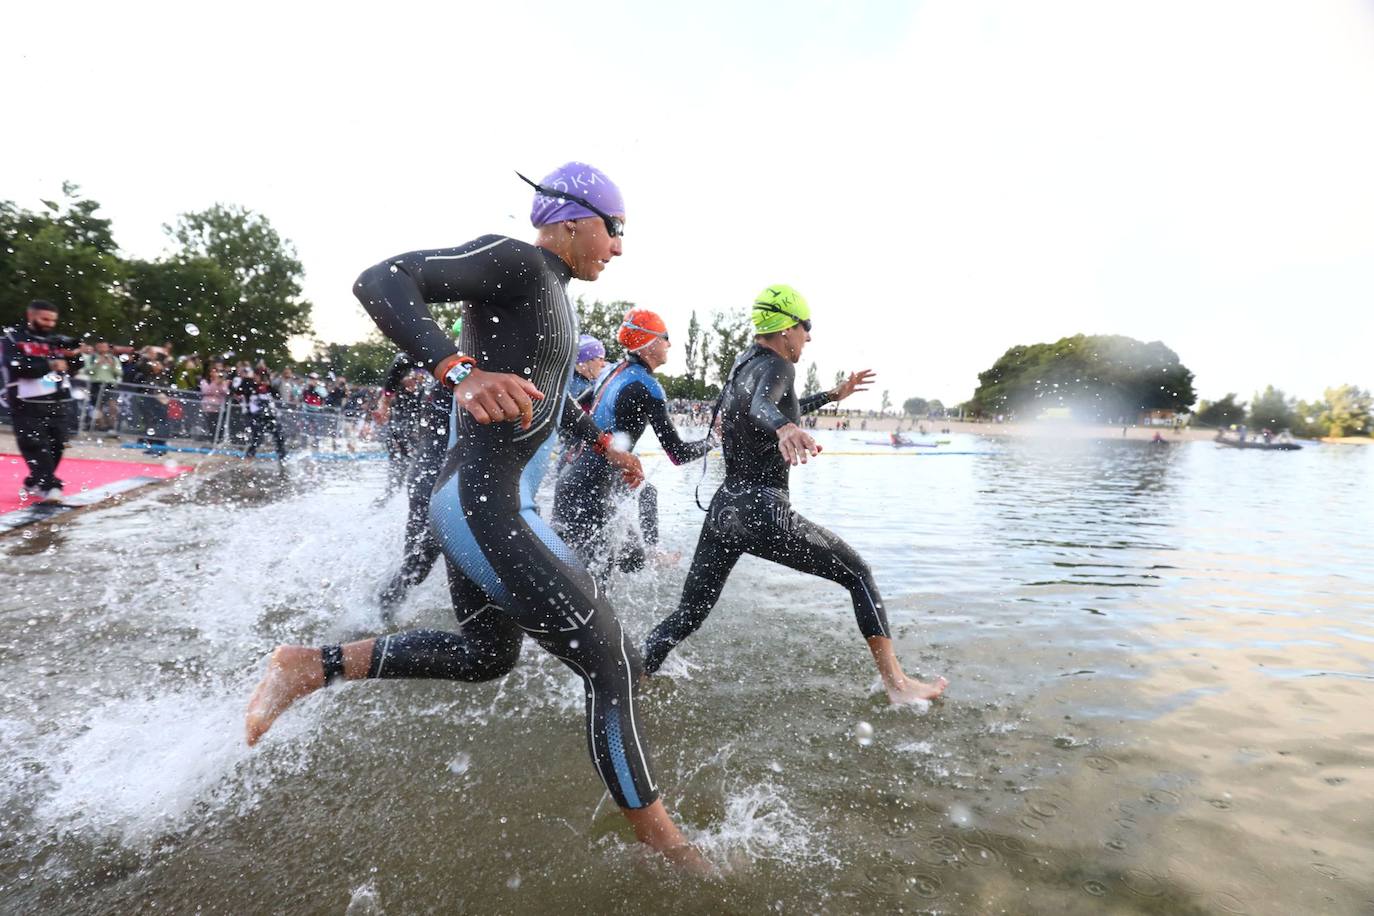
point(770, 307)
point(615, 226)
point(652, 333)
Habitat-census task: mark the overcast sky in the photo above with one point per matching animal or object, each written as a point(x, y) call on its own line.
point(942, 180)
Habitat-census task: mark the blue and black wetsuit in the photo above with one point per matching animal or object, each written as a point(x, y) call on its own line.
point(752, 513)
point(577, 385)
point(625, 399)
point(429, 447)
point(517, 319)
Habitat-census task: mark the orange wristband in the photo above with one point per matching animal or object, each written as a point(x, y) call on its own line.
point(441, 370)
point(602, 443)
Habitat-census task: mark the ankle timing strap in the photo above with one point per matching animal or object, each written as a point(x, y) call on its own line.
point(332, 657)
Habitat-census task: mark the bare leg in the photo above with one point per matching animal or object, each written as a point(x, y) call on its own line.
point(900, 688)
point(654, 828)
point(293, 672)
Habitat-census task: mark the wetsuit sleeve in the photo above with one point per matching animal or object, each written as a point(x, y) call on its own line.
point(400, 366)
point(586, 398)
point(640, 400)
point(816, 401)
point(397, 291)
point(577, 423)
point(775, 380)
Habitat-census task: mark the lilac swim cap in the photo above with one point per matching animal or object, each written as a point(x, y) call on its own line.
point(583, 180)
point(588, 347)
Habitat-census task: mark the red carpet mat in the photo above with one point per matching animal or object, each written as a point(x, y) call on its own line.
point(87, 480)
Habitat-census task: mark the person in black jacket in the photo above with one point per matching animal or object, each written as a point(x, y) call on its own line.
point(35, 364)
point(263, 397)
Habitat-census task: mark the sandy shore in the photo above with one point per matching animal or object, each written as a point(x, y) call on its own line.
point(1051, 429)
point(1054, 430)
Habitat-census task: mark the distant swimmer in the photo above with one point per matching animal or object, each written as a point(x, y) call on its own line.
point(626, 399)
point(752, 513)
point(591, 359)
point(510, 376)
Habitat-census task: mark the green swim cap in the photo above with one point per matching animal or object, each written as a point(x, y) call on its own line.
point(779, 307)
point(458, 326)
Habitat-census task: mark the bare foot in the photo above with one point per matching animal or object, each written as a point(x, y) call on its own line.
point(688, 858)
point(910, 690)
point(292, 672)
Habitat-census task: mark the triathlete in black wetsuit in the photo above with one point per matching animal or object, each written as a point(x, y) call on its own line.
point(429, 446)
point(400, 409)
point(625, 399)
point(751, 512)
point(517, 348)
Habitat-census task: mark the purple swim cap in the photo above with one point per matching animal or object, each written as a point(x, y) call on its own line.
point(588, 347)
point(585, 181)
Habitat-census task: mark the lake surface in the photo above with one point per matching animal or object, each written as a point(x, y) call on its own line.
point(1161, 664)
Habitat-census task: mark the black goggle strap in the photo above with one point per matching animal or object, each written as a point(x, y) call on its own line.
point(564, 195)
point(769, 307)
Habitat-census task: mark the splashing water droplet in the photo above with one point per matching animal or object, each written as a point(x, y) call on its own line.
point(863, 733)
point(192, 329)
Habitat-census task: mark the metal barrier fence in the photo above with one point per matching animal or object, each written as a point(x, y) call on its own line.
point(158, 414)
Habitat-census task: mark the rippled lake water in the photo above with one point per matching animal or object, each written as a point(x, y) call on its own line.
point(1162, 675)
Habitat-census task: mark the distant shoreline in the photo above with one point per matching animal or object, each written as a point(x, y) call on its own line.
point(1051, 429)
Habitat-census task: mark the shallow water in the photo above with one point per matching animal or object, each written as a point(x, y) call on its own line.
point(1161, 663)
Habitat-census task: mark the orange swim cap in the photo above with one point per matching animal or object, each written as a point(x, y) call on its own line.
point(639, 328)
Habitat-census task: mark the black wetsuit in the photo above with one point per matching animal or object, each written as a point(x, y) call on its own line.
point(751, 512)
point(517, 319)
point(403, 422)
point(625, 399)
point(263, 398)
point(430, 445)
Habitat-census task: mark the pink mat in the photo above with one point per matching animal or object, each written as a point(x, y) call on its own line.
point(77, 473)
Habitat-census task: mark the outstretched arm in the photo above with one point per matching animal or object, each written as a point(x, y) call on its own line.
point(638, 398)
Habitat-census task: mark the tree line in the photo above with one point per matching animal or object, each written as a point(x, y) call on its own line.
point(230, 284)
point(1345, 410)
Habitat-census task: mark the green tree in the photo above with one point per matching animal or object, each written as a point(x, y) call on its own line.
point(935, 408)
point(915, 407)
point(1348, 412)
point(1308, 422)
point(1098, 377)
point(813, 381)
point(365, 362)
point(686, 386)
point(887, 402)
point(840, 378)
point(692, 352)
point(189, 301)
point(602, 320)
point(1220, 414)
point(733, 333)
point(1272, 409)
point(265, 270)
point(66, 255)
